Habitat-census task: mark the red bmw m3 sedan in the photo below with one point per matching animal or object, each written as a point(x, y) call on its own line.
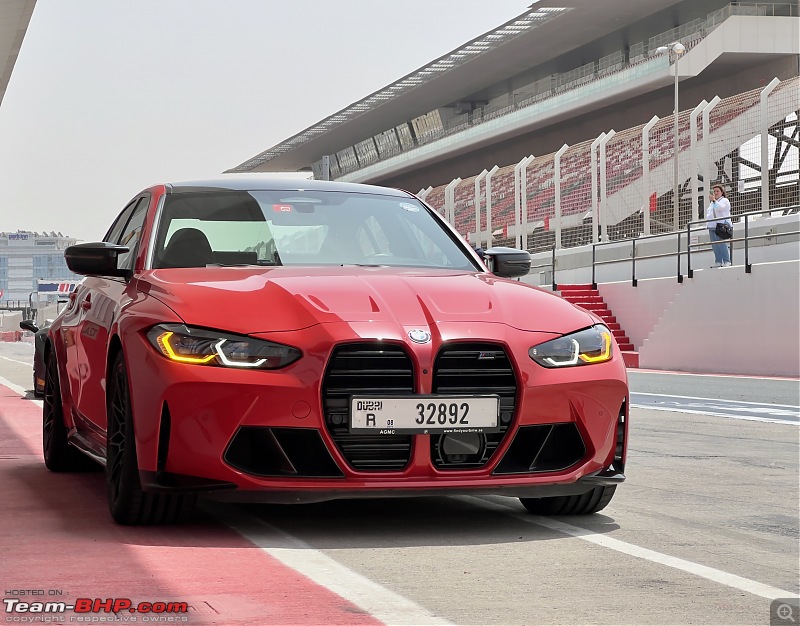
point(298, 341)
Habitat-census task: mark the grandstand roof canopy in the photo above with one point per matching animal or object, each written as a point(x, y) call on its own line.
point(546, 30)
point(14, 18)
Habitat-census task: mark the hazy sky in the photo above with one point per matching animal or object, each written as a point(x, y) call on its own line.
point(108, 98)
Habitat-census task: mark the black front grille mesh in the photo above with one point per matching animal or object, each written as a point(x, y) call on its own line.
point(459, 369)
point(474, 368)
point(363, 369)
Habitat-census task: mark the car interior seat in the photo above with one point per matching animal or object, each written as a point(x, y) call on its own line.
point(188, 247)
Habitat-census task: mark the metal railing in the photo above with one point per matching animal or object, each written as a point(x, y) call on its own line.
point(551, 265)
point(747, 239)
point(634, 256)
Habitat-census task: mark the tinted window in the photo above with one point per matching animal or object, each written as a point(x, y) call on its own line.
point(132, 233)
point(112, 236)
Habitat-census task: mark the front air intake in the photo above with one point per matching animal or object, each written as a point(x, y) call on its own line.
point(543, 448)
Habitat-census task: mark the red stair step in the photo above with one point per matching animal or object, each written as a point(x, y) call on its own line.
point(573, 287)
point(579, 293)
point(590, 299)
point(592, 306)
point(631, 358)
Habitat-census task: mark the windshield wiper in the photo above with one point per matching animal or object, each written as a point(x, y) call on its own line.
point(259, 263)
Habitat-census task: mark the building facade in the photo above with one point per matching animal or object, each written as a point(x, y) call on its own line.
point(28, 259)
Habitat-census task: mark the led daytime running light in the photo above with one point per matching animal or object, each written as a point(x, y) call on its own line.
point(604, 355)
point(226, 361)
point(572, 360)
point(163, 342)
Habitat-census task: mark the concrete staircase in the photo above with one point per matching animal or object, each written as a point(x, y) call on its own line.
point(590, 299)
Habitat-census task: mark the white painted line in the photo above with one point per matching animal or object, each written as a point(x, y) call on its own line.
point(17, 389)
point(690, 567)
point(383, 604)
point(28, 363)
point(718, 375)
point(728, 415)
point(380, 602)
point(672, 395)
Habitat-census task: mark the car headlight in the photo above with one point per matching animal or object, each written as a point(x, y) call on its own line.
point(585, 347)
point(206, 347)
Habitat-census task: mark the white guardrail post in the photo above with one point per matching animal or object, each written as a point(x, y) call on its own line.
point(706, 145)
point(765, 144)
point(602, 207)
point(489, 235)
point(693, 162)
point(593, 157)
point(449, 201)
point(646, 171)
point(557, 183)
point(521, 201)
point(478, 233)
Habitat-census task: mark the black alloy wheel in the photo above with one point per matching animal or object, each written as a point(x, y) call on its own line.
point(59, 456)
point(127, 502)
point(581, 504)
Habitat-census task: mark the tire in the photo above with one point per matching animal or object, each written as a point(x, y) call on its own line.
point(127, 503)
point(582, 504)
point(59, 456)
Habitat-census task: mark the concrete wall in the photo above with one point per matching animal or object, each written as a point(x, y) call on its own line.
point(721, 320)
point(639, 309)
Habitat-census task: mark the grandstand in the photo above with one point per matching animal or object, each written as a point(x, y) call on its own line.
point(14, 18)
point(582, 83)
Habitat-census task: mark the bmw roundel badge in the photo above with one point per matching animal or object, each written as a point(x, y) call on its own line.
point(419, 336)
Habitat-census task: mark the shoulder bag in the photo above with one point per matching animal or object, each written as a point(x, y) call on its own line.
point(723, 230)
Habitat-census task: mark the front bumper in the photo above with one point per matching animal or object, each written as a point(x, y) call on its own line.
point(229, 492)
point(187, 417)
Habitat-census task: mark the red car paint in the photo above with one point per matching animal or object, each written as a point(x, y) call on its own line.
point(318, 309)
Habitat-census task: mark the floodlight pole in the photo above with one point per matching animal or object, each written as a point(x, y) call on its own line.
point(677, 48)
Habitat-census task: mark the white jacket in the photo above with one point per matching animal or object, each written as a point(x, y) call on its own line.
point(718, 210)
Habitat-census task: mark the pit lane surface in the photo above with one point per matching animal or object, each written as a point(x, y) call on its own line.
point(705, 531)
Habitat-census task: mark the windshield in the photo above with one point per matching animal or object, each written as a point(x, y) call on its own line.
point(226, 227)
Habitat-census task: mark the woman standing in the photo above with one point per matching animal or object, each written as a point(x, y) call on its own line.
point(720, 211)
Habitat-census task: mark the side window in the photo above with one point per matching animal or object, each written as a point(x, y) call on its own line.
point(131, 234)
point(112, 236)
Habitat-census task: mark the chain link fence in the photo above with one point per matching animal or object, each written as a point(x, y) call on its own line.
point(632, 192)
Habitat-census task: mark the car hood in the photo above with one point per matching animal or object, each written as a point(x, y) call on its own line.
point(259, 300)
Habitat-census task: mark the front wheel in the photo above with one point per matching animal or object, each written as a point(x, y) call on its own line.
point(581, 504)
point(127, 502)
point(59, 456)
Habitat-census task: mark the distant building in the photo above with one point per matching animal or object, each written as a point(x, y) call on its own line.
point(26, 258)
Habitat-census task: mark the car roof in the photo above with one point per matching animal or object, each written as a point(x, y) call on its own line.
point(258, 183)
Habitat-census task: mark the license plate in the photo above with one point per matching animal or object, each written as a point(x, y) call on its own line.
point(424, 415)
